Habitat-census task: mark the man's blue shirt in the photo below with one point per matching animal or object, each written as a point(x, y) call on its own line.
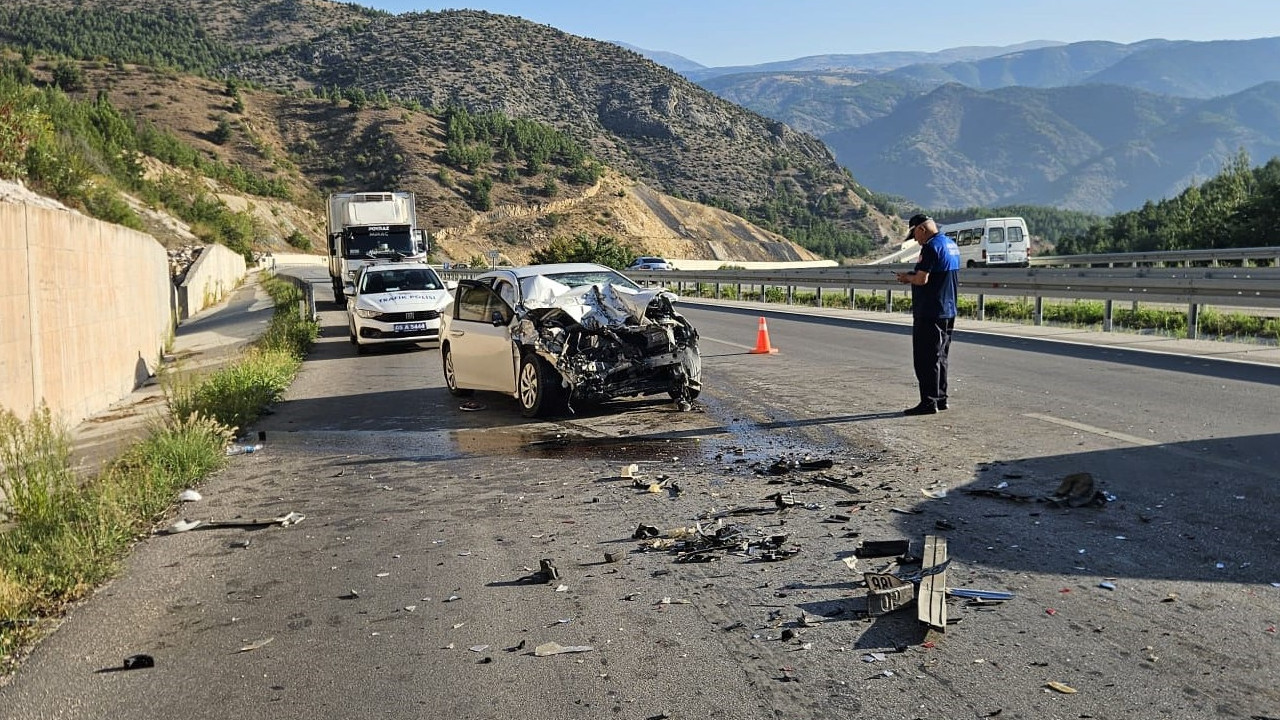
point(936, 299)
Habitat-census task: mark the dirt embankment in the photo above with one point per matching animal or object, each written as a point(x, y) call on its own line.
point(641, 218)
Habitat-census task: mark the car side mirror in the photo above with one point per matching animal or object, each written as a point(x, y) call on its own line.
point(348, 289)
point(497, 318)
point(450, 284)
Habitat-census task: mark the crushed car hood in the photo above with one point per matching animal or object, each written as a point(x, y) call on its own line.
point(608, 340)
point(591, 306)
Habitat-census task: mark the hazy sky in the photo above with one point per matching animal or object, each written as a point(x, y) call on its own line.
point(748, 32)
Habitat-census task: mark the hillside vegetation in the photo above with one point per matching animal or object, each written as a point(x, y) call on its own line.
point(1097, 127)
point(366, 82)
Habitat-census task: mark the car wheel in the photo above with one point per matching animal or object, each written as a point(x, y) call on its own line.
point(692, 371)
point(450, 378)
point(538, 387)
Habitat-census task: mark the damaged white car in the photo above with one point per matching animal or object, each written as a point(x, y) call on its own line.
point(555, 335)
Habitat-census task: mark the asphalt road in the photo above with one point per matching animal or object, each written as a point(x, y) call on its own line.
point(407, 591)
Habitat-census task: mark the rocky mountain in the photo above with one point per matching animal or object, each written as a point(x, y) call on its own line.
point(645, 121)
point(1099, 149)
point(866, 62)
point(1181, 69)
point(679, 63)
point(1092, 126)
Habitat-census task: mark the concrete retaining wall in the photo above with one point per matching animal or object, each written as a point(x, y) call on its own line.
point(85, 310)
point(212, 277)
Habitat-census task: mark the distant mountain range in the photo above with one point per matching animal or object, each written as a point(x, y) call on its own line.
point(1094, 126)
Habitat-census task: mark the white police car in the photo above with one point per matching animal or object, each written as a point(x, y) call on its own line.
point(396, 302)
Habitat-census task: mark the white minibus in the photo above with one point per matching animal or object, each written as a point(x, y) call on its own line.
point(991, 242)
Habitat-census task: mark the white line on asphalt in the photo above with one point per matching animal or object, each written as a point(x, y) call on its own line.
point(726, 342)
point(1145, 442)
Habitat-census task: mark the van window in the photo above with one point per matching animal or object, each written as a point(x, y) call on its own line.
point(996, 236)
point(1015, 234)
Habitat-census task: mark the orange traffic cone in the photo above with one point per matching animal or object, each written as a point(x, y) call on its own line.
point(762, 341)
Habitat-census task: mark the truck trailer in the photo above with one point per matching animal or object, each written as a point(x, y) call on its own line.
point(365, 227)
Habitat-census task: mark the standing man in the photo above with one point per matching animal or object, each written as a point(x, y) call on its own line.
point(934, 284)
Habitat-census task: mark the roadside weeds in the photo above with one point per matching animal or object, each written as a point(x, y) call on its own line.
point(67, 537)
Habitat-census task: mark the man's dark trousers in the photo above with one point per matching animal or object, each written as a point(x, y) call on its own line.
point(930, 344)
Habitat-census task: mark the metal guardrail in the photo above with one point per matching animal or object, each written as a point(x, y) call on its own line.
point(1136, 280)
point(307, 303)
point(1192, 286)
point(1212, 257)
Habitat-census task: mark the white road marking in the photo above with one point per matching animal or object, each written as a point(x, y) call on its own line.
point(1131, 439)
point(1146, 442)
point(726, 342)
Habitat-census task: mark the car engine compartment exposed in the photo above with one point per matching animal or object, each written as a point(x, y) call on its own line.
point(607, 341)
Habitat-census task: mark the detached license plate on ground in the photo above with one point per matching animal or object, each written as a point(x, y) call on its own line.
point(409, 327)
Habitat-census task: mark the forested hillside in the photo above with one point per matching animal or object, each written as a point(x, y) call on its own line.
point(1092, 126)
point(628, 112)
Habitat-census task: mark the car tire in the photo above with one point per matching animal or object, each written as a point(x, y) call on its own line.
point(450, 378)
point(538, 387)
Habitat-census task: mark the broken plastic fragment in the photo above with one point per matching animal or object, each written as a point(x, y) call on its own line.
point(478, 648)
point(1107, 585)
point(629, 471)
point(189, 496)
point(255, 645)
point(1064, 689)
point(935, 494)
point(139, 662)
point(184, 525)
point(555, 648)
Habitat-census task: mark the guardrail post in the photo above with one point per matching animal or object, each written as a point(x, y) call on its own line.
point(888, 301)
point(791, 295)
point(982, 306)
point(1037, 315)
point(818, 296)
point(1108, 317)
point(1193, 321)
point(739, 292)
point(853, 299)
point(717, 291)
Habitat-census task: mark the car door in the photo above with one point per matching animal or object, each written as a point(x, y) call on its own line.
point(482, 352)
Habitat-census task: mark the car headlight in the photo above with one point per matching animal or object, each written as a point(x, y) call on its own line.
point(368, 314)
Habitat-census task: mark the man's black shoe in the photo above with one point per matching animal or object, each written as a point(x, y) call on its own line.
point(942, 404)
point(922, 409)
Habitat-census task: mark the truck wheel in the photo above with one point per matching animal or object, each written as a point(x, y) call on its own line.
point(538, 387)
point(450, 379)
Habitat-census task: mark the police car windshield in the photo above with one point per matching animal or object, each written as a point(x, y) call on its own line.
point(399, 280)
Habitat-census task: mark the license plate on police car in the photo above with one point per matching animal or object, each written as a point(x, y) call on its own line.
point(409, 327)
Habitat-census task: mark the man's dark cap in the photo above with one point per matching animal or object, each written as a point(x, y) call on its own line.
point(913, 222)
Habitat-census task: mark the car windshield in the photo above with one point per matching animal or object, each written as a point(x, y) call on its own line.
point(592, 277)
point(363, 245)
point(380, 281)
